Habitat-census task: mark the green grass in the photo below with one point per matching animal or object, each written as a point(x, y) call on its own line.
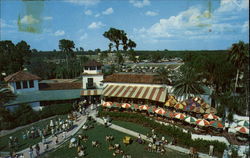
point(98, 133)
point(138, 128)
point(24, 143)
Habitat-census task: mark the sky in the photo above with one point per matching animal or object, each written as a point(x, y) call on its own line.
point(152, 24)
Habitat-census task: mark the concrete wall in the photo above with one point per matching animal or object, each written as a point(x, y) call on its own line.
point(12, 86)
point(96, 80)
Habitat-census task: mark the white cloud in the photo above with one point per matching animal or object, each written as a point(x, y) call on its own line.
point(233, 5)
point(108, 11)
point(83, 37)
point(88, 12)
point(4, 24)
point(245, 27)
point(59, 33)
point(96, 25)
point(48, 18)
point(84, 2)
point(151, 13)
point(29, 19)
point(97, 15)
point(139, 4)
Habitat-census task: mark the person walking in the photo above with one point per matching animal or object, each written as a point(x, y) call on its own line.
point(31, 152)
point(37, 147)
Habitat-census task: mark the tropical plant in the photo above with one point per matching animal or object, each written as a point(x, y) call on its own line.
point(188, 83)
point(239, 56)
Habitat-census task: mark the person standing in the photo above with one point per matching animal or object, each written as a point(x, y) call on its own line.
point(31, 152)
point(37, 147)
point(211, 150)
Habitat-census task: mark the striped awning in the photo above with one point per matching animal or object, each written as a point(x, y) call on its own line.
point(88, 92)
point(140, 92)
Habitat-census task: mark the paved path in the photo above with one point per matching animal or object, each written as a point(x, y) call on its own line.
point(51, 140)
point(136, 134)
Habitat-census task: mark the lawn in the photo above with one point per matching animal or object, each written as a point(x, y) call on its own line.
point(137, 128)
point(98, 133)
point(25, 143)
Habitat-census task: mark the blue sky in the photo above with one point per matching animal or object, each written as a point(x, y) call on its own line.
point(152, 24)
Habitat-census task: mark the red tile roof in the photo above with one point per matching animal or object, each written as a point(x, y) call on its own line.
point(93, 63)
point(133, 78)
point(60, 86)
point(21, 76)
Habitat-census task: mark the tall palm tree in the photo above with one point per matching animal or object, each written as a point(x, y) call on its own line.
point(188, 83)
point(239, 55)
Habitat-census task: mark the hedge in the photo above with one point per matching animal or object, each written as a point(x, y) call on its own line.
point(183, 139)
point(25, 115)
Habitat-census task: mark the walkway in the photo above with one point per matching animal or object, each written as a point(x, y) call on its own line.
point(51, 140)
point(135, 134)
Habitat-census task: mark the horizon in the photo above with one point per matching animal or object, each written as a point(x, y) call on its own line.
point(154, 25)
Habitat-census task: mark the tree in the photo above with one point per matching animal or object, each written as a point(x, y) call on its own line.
point(66, 46)
point(5, 94)
point(239, 56)
point(131, 44)
point(81, 49)
point(13, 57)
point(164, 75)
point(188, 83)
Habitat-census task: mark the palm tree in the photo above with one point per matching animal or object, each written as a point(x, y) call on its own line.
point(239, 56)
point(188, 83)
point(5, 94)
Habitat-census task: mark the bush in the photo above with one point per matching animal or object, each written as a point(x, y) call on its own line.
point(24, 115)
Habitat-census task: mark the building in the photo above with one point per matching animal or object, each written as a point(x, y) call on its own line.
point(92, 81)
point(140, 88)
point(41, 93)
point(22, 81)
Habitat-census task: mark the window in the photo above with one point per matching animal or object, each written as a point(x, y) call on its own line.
point(31, 83)
point(25, 84)
point(18, 85)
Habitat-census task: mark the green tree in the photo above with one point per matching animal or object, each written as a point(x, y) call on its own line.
point(239, 56)
point(67, 46)
point(188, 83)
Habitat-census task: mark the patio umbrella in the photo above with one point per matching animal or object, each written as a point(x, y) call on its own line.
point(143, 107)
point(242, 129)
point(151, 109)
point(202, 122)
point(107, 104)
point(211, 116)
point(160, 111)
point(179, 106)
point(126, 105)
point(216, 124)
point(179, 116)
point(169, 114)
point(190, 119)
point(243, 123)
point(205, 105)
point(189, 108)
point(198, 110)
point(135, 106)
point(211, 110)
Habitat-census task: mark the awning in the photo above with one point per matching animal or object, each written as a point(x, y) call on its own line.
point(139, 92)
point(88, 92)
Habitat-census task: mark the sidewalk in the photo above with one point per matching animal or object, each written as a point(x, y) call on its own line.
point(135, 134)
point(51, 140)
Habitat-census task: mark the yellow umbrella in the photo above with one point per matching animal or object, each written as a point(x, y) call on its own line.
point(211, 110)
point(179, 106)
